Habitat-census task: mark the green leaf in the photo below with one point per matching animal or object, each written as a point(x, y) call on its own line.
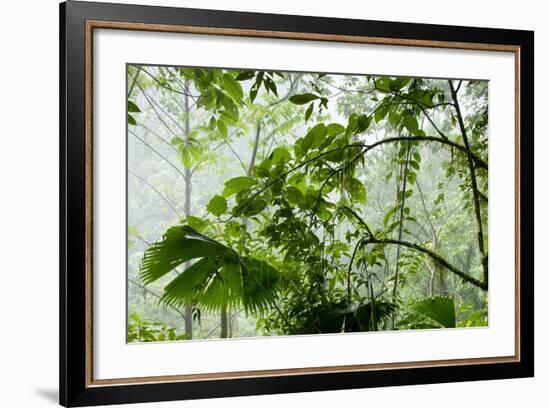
point(217, 205)
point(309, 111)
point(279, 154)
point(245, 75)
point(440, 309)
point(178, 245)
point(414, 165)
point(381, 113)
point(411, 123)
point(394, 117)
point(314, 137)
point(363, 123)
point(250, 207)
point(383, 84)
point(302, 99)
point(131, 120)
point(132, 107)
point(294, 195)
point(417, 157)
point(222, 127)
point(270, 85)
point(237, 184)
point(334, 129)
point(399, 83)
point(389, 214)
point(253, 93)
point(232, 87)
point(356, 190)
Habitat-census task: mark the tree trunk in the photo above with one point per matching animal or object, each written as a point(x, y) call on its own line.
point(223, 325)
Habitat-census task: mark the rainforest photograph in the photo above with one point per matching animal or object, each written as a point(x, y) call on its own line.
point(278, 203)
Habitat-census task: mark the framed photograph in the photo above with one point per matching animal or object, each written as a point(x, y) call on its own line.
point(256, 203)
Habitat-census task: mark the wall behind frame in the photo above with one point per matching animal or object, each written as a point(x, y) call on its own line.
point(29, 204)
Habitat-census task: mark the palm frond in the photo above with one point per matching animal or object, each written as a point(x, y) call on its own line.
point(178, 245)
point(218, 279)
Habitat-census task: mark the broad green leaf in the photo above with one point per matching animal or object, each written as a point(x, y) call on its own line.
point(217, 205)
point(302, 99)
point(438, 308)
point(415, 165)
point(363, 123)
point(380, 113)
point(394, 117)
point(314, 137)
point(131, 120)
point(293, 195)
point(279, 154)
point(411, 123)
point(232, 87)
point(383, 84)
point(399, 83)
point(249, 208)
point(334, 129)
point(237, 184)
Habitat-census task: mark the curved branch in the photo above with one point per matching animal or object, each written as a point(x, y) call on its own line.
point(478, 160)
point(434, 256)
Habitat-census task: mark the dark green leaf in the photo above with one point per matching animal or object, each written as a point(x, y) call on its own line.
point(132, 107)
point(302, 99)
point(245, 75)
point(309, 111)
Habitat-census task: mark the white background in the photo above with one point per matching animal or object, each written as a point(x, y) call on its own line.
point(29, 192)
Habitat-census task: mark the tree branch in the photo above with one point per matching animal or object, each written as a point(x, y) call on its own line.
point(434, 256)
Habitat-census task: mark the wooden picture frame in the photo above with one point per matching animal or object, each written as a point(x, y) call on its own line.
point(78, 20)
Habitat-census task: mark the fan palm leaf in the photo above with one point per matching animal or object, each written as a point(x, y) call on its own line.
point(218, 278)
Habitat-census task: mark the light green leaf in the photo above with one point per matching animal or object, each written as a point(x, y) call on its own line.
point(334, 129)
point(217, 205)
point(237, 184)
point(438, 308)
point(279, 154)
point(232, 87)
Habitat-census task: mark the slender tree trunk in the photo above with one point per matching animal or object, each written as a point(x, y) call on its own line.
point(224, 326)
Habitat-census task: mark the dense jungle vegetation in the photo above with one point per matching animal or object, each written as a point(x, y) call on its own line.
point(282, 203)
